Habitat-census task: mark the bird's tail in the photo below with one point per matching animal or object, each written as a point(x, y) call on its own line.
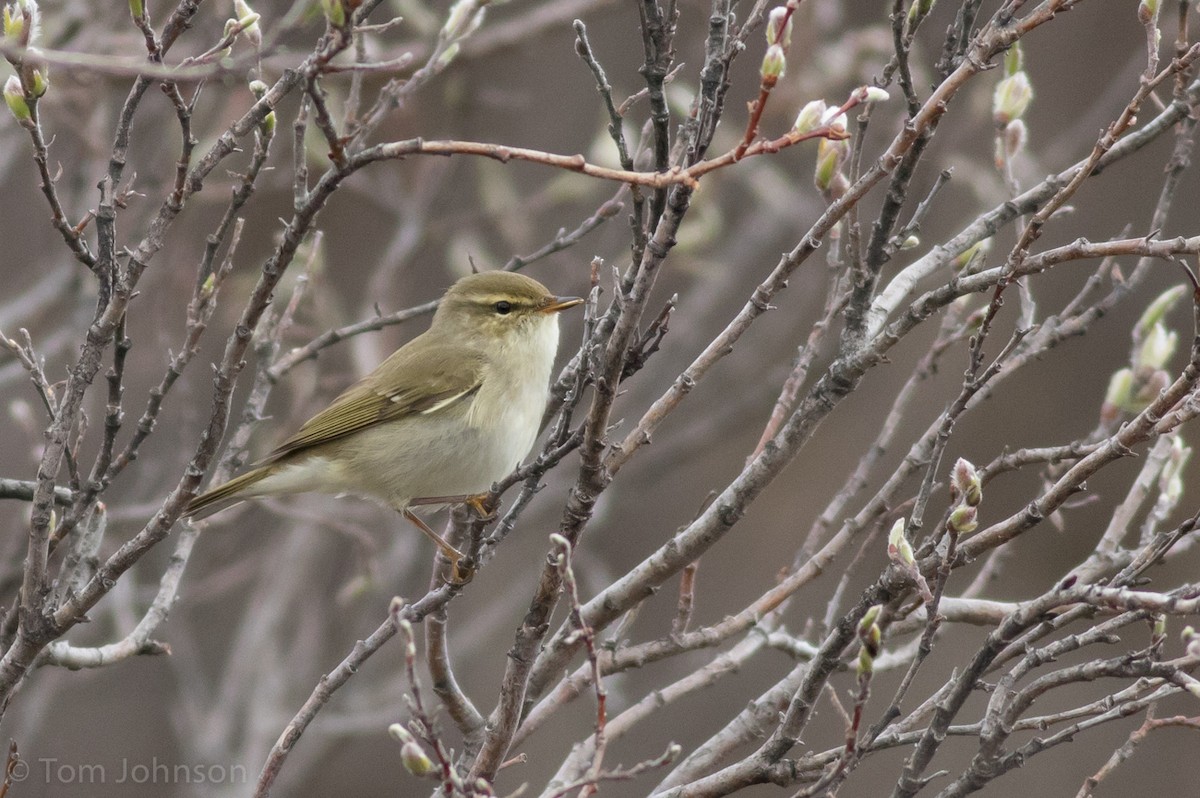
point(226, 495)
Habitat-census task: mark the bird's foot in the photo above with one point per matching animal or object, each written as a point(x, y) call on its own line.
point(476, 503)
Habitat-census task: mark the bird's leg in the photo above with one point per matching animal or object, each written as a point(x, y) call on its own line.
point(472, 500)
point(449, 552)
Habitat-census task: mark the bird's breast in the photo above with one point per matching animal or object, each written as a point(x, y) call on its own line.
point(509, 405)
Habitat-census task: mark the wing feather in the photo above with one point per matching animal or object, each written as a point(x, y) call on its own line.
point(419, 378)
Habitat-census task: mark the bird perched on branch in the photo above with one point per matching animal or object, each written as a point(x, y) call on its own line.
point(439, 421)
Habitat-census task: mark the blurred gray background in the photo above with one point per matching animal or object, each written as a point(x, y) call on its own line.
point(276, 595)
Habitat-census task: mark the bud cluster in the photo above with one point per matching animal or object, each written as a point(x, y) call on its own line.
point(779, 39)
point(899, 549)
point(22, 23)
point(464, 18)
point(900, 552)
point(266, 127)
point(1010, 101)
point(833, 150)
point(22, 27)
point(871, 637)
point(248, 19)
point(412, 755)
point(1133, 388)
point(966, 488)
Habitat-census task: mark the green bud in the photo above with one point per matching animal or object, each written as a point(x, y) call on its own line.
point(14, 97)
point(1120, 389)
point(898, 546)
point(1159, 308)
point(14, 23)
point(774, 63)
point(919, 10)
point(258, 88)
point(22, 22)
point(414, 759)
point(249, 18)
point(267, 125)
point(1158, 347)
point(448, 55)
point(971, 258)
point(1159, 630)
point(249, 25)
point(872, 638)
point(963, 519)
point(39, 80)
point(137, 9)
point(1014, 60)
point(1012, 98)
point(830, 155)
point(208, 287)
point(334, 12)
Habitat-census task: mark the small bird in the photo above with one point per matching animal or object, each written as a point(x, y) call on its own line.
point(439, 421)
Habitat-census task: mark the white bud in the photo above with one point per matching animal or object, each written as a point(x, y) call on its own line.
point(1015, 134)
point(1012, 98)
point(834, 118)
point(1158, 347)
point(810, 117)
point(398, 732)
point(873, 94)
point(777, 31)
point(899, 548)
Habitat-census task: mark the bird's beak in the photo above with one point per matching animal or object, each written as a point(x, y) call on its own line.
point(558, 303)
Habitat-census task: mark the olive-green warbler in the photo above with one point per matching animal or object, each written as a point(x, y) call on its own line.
point(439, 421)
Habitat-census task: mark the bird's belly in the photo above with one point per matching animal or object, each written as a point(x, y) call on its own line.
point(425, 457)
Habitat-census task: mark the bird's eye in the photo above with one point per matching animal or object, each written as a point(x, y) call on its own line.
point(502, 307)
